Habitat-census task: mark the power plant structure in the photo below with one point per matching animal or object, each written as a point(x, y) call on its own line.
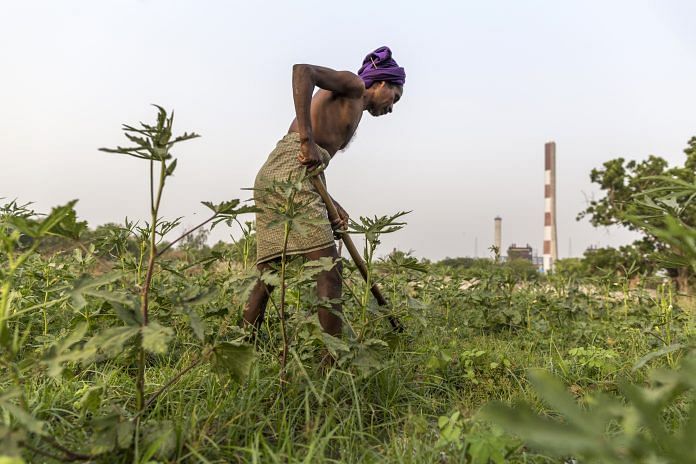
point(525, 253)
point(550, 254)
point(550, 247)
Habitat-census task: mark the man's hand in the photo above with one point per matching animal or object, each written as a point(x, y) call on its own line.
point(340, 223)
point(309, 155)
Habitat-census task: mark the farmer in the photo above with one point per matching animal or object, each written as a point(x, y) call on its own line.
point(324, 124)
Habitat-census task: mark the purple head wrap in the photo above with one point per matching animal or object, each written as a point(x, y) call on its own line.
point(379, 66)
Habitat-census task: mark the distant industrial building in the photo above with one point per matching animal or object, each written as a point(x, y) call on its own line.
point(545, 262)
point(521, 252)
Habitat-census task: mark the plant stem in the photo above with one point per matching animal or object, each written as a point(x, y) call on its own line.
point(369, 252)
point(154, 210)
point(368, 278)
point(43, 453)
point(4, 304)
point(141, 256)
point(153, 245)
point(281, 311)
point(70, 455)
point(45, 316)
point(152, 185)
point(7, 286)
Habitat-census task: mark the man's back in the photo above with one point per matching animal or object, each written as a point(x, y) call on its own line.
point(336, 109)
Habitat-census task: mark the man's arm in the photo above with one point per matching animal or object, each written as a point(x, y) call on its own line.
point(304, 78)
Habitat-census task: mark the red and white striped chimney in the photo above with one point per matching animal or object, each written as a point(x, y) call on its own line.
point(550, 240)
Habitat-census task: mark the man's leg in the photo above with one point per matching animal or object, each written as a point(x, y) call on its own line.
point(255, 308)
point(329, 285)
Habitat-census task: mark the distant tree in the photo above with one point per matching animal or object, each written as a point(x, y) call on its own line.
point(466, 263)
point(241, 250)
point(516, 269)
point(626, 261)
point(195, 241)
point(570, 267)
point(521, 269)
point(457, 262)
point(624, 184)
point(196, 244)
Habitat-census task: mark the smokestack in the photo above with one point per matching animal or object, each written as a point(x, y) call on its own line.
point(550, 240)
point(498, 234)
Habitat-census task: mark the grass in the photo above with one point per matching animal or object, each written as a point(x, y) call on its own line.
point(388, 413)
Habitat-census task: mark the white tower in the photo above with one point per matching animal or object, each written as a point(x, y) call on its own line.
point(498, 237)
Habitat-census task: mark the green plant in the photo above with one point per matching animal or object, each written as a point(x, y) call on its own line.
point(373, 229)
point(138, 329)
point(609, 431)
point(593, 359)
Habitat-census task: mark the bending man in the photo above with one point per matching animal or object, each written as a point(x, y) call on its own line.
point(324, 124)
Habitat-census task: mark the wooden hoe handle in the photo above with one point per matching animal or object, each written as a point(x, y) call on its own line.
point(354, 253)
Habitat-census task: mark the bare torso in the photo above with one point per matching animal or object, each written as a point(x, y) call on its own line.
point(334, 119)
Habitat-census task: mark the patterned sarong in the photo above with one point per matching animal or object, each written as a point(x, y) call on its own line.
point(281, 165)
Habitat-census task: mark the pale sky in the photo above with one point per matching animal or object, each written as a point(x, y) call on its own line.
point(488, 83)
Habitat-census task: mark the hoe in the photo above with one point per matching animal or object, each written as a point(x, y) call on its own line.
point(396, 324)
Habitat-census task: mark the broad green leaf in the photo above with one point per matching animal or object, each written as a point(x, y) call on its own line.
point(124, 433)
point(227, 210)
point(550, 435)
point(156, 338)
point(11, 441)
point(203, 296)
point(89, 286)
point(368, 355)
point(126, 314)
point(224, 207)
point(151, 141)
point(366, 360)
point(271, 278)
point(196, 323)
point(486, 451)
point(323, 264)
point(62, 222)
point(414, 303)
point(243, 283)
point(57, 215)
point(111, 432)
point(656, 354)
point(334, 345)
point(234, 359)
point(24, 418)
point(64, 351)
point(310, 270)
point(159, 439)
point(171, 167)
point(108, 343)
point(116, 297)
point(557, 396)
point(90, 398)
point(11, 460)
point(24, 225)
